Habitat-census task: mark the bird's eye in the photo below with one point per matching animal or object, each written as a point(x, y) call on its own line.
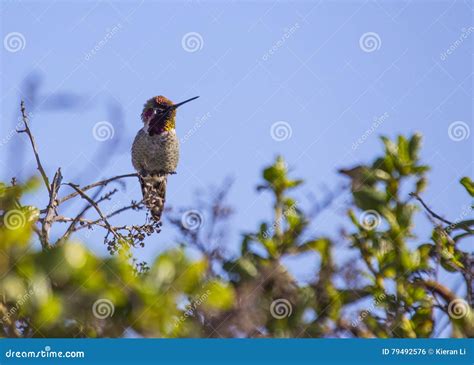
point(148, 113)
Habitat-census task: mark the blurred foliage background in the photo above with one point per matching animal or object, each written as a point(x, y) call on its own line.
point(389, 287)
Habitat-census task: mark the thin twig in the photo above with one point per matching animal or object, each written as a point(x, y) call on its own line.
point(132, 234)
point(96, 207)
point(417, 197)
point(93, 185)
point(437, 216)
point(76, 219)
point(51, 211)
point(435, 287)
point(88, 222)
point(33, 145)
point(98, 222)
point(10, 323)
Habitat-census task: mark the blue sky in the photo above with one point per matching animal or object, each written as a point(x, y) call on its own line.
point(326, 70)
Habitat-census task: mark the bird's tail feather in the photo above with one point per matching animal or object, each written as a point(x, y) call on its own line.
point(154, 193)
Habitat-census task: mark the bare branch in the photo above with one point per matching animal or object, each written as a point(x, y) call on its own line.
point(86, 223)
point(51, 211)
point(93, 185)
point(356, 331)
point(96, 207)
point(208, 238)
point(435, 287)
point(126, 234)
point(79, 216)
point(33, 145)
point(434, 215)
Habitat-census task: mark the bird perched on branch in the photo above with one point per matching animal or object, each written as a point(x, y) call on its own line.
point(155, 151)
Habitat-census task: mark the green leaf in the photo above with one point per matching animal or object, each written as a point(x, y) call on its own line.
point(421, 185)
point(220, 295)
point(193, 275)
point(468, 184)
point(390, 147)
point(423, 321)
point(320, 245)
point(247, 267)
point(369, 198)
point(414, 146)
point(293, 183)
point(403, 153)
point(272, 174)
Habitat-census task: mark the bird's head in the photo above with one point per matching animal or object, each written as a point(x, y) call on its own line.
point(159, 114)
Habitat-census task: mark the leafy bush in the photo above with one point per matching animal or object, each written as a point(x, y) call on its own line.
point(387, 288)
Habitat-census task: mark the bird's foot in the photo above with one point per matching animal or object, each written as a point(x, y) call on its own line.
point(164, 173)
point(161, 173)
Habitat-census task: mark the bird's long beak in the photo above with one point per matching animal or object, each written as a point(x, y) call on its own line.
point(184, 102)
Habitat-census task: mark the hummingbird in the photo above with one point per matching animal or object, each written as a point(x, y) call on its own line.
point(155, 151)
